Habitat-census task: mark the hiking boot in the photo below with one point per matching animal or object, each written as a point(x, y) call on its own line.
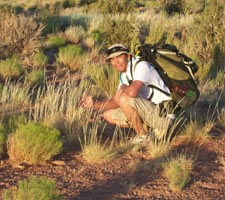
point(139, 139)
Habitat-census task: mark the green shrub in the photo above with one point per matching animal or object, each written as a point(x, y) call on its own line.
point(97, 36)
point(40, 60)
point(115, 6)
point(33, 188)
point(68, 3)
point(119, 31)
point(11, 67)
point(36, 77)
point(8, 125)
point(55, 42)
point(55, 23)
point(33, 143)
point(71, 56)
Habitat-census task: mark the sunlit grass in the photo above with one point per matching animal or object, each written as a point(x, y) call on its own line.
point(177, 171)
point(94, 150)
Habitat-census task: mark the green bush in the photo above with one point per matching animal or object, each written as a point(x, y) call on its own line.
point(115, 6)
point(71, 56)
point(11, 67)
point(33, 143)
point(32, 188)
point(36, 77)
point(8, 125)
point(68, 3)
point(54, 23)
point(97, 36)
point(55, 42)
point(119, 31)
point(40, 60)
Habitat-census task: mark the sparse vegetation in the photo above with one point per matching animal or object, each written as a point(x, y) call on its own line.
point(33, 188)
point(66, 40)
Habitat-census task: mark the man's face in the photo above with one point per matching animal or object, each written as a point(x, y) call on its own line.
point(120, 62)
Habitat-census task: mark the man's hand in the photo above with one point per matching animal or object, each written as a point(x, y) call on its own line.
point(87, 101)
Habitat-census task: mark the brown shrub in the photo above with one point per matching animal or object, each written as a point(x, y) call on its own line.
point(19, 35)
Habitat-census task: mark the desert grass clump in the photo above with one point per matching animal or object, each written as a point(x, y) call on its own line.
point(71, 56)
point(162, 133)
point(55, 42)
point(177, 170)
point(197, 131)
point(36, 77)
point(33, 188)
point(40, 60)
point(75, 34)
point(11, 67)
point(105, 78)
point(14, 96)
point(33, 143)
point(93, 150)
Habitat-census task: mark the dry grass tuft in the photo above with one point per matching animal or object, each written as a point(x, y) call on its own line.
point(177, 170)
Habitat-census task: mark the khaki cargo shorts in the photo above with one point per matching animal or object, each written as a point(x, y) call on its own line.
point(146, 110)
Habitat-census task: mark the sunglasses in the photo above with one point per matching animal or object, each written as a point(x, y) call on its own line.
point(116, 49)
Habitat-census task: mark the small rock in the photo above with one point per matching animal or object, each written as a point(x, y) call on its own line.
point(59, 162)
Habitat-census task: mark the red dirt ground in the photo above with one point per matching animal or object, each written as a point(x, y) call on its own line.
point(122, 177)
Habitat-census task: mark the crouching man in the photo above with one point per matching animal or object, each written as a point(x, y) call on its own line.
point(135, 102)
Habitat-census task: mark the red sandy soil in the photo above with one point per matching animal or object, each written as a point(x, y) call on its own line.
point(123, 178)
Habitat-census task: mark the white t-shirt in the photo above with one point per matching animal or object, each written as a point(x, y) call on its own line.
point(147, 74)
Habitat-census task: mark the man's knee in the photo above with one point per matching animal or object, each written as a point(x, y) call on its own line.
point(124, 100)
point(107, 115)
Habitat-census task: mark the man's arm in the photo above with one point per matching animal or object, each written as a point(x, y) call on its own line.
point(88, 102)
point(133, 89)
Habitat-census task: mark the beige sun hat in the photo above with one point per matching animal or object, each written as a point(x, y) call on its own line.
point(116, 50)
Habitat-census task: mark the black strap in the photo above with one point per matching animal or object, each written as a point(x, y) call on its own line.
point(151, 86)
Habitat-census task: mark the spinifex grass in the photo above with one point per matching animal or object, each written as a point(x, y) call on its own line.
point(105, 77)
point(94, 150)
point(14, 96)
point(75, 34)
point(177, 170)
point(58, 106)
point(163, 132)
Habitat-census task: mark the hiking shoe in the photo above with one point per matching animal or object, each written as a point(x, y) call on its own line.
point(139, 139)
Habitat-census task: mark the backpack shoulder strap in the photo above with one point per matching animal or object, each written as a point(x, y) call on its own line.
point(151, 85)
